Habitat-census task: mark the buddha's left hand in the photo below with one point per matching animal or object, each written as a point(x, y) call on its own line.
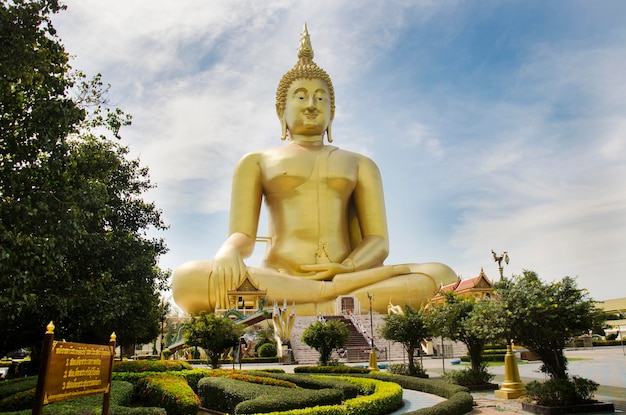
point(325, 271)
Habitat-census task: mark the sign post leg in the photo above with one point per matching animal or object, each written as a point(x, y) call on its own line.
point(46, 349)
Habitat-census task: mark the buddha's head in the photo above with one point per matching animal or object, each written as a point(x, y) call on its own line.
point(305, 68)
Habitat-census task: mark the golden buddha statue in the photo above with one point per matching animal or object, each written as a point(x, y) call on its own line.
point(327, 231)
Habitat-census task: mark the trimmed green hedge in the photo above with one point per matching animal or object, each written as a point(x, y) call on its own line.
point(459, 402)
point(487, 358)
point(330, 369)
point(235, 396)
point(121, 395)
point(381, 398)
point(150, 366)
point(600, 343)
point(170, 392)
point(349, 390)
point(12, 386)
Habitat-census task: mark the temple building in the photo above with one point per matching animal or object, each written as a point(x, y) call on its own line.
point(478, 287)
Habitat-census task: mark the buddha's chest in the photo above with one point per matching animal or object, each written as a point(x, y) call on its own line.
point(313, 170)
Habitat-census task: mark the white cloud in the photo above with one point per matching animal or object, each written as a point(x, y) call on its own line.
point(532, 165)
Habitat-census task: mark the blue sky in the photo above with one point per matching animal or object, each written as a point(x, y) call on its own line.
point(496, 124)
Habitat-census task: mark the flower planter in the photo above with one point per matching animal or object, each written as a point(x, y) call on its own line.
point(591, 407)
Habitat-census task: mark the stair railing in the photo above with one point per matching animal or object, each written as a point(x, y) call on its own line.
point(360, 327)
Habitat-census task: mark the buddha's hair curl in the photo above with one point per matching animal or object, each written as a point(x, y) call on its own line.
point(303, 70)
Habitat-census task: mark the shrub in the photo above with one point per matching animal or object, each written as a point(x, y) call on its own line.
point(150, 366)
point(18, 401)
point(381, 397)
point(404, 369)
point(12, 386)
point(561, 392)
point(225, 395)
point(469, 377)
point(170, 392)
point(121, 395)
point(267, 350)
point(350, 390)
point(459, 400)
point(296, 399)
point(330, 369)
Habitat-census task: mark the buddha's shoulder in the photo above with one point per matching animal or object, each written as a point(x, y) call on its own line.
point(359, 158)
point(287, 152)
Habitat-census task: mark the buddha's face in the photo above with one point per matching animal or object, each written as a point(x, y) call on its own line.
point(307, 108)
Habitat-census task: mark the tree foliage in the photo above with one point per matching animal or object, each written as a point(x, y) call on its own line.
point(463, 319)
point(213, 334)
point(545, 316)
point(410, 329)
point(73, 227)
point(325, 337)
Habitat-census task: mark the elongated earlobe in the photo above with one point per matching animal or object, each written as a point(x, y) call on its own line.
point(328, 134)
point(283, 125)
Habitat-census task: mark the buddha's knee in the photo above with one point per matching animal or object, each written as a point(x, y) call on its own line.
point(190, 286)
point(440, 273)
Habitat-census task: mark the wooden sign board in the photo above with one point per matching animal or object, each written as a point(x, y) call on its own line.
point(72, 370)
point(77, 369)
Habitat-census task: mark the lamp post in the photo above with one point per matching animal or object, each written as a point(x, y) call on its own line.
point(512, 387)
point(373, 363)
point(443, 361)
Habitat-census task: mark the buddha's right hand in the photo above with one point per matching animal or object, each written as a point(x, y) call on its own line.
point(227, 273)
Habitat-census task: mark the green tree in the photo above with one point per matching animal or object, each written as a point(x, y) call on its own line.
point(73, 244)
point(410, 329)
point(545, 316)
point(461, 319)
point(213, 334)
point(325, 337)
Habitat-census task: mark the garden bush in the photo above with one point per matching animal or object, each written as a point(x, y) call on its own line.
point(330, 369)
point(150, 366)
point(600, 343)
point(403, 369)
point(267, 350)
point(19, 400)
point(459, 400)
point(169, 392)
point(296, 399)
point(349, 390)
point(224, 395)
point(562, 392)
point(13, 386)
point(469, 377)
point(121, 395)
point(380, 397)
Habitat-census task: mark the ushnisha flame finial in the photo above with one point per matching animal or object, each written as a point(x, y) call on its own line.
point(305, 51)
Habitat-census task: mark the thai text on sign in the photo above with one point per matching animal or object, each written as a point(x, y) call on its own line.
point(77, 369)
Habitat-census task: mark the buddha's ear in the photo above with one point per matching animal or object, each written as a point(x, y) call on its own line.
point(283, 123)
point(283, 129)
point(329, 136)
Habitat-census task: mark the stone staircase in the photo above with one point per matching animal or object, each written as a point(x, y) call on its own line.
point(359, 342)
point(358, 345)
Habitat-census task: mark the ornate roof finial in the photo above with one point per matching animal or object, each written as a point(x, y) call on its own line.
point(305, 51)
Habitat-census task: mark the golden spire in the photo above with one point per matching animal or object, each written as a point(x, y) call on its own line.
point(305, 50)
